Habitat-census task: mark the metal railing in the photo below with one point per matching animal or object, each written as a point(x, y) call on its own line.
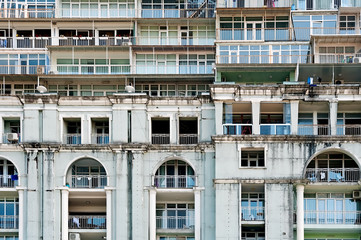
point(263, 59)
point(266, 34)
point(23, 69)
point(8, 181)
point(72, 138)
point(313, 129)
point(9, 222)
point(175, 222)
point(160, 138)
point(332, 217)
point(348, 129)
point(93, 41)
point(175, 40)
point(175, 181)
point(7, 141)
point(193, 11)
point(100, 138)
point(174, 69)
point(188, 138)
point(89, 181)
point(237, 129)
point(96, 12)
point(252, 213)
point(275, 129)
point(333, 174)
point(92, 69)
point(335, 58)
point(27, 12)
point(87, 222)
point(269, 4)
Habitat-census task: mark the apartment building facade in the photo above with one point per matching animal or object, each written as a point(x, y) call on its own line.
point(242, 121)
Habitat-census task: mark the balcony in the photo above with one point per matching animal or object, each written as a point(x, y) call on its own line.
point(275, 129)
point(7, 140)
point(237, 129)
point(9, 222)
point(97, 12)
point(100, 139)
point(334, 175)
point(349, 129)
point(336, 58)
point(174, 69)
point(160, 138)
point(87, 222)
point(175, 41)
point(253, 4)
point(188, 138)
point(318, 129)
point(263, 59)
point(176, 222)
point(264, 34)
point(89, 181)
point(174, 181)
point(204, 10)
point(332, 217)
point(8, 181)
point(252, 213)
point(72, 139)
point(93, 69)
point(27, 13)
point(23, 69)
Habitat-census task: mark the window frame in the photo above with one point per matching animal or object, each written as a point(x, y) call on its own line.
point(252, 149)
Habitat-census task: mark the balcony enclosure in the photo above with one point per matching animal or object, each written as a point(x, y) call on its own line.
point(313, 119)
point(175, 174)
point(188, 130)
point(252, 204)
point(23, 63)
point(100, 131)
point(86, 173)
point(275, 119)
point(8, 174)
point(253, 3)
point(12, 132)
point(348, 120)
point(175, 216)
point(333, 167)
point(160, 131)
point(331, 208)
point(237, 118)
point(72, 131)
point(9, 213)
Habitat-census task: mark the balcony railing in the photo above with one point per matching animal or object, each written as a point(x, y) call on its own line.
point(6, 139)
point(175, 181)
point(275, 129)
point(335, 58)
point(349, 129)
point(87, 222)
point(175, 222)
point(100, 138)
point(72, 138)
point(252, 213)
point(237, 129)
point(93, 69)
point(263, 59)
point(27, 13)
point(175, 41)
point(9, 222)
point(160, 138)
point(188, 138)
point(8, 181)
point(196, 11)
point(332, 217)
point(174, 69)
point(318, 129)
point(96, 12)
point(333, 174)
point(23, 69)
point(266, 34)
point(269, 4)
point(89, 181)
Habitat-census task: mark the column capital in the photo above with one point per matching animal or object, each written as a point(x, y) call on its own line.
point(300, 187)
point(19, 188)
point(109, 189)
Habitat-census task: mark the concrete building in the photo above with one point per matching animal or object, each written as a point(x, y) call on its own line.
point(180, 120)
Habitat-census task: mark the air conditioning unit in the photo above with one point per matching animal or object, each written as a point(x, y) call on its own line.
point(356, 194)
point(12, 137)
point(40, 70)
point(74, 236)
point(357, 60)
point(339, 82)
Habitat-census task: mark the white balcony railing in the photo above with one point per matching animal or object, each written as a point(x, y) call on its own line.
point(160, 138)
point(175, 181)
point(27, 12)
point(93, 69)
point(89, 181)
point(237, 129)
point(316, 130)
point(23, 69)
point(96, 12)
point(8, 181)
point(174, 69)
point(349, 129)
point(192, 11)
point(72, 138)
point(87, 222)
point(332, 217)
point(267, 34)
point(263, 59)
point(100, 138)
point(252, 213)
point(9, 222)
point(175, 222)
point(188, 138)
point(275, 129)
point(6, 139)
point(175, 41)
point(333, 174)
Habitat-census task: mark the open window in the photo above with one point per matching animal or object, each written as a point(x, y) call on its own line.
point(100, 131)
point(160, 131)
point(188, 131)
point(72, 131)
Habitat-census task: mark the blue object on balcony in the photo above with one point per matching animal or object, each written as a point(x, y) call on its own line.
point(14, 177)
point(335, 176)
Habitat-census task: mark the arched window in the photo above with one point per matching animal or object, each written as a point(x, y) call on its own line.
point(86, 173)
point(8, 174)
point(333, 167)
point(175, 174)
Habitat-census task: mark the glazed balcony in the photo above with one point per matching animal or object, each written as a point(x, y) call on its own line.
point(24, 69)
point(87, 222)
point(28, 13)
point(203, 10)
point(336, 175)
point(262, 34)
point(252, 213)
point(174, 181)
point(9, 222)
point(332, 217)
point(275, 129)
point(253, 4)
point(262, 59)
point(184, 41)
point(99, 11)
point(237, 129)
point(89, 181)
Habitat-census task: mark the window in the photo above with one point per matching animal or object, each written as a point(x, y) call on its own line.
point(175, 215)
point(8, 174)
point(188, 131)
point(175, 174)
point(100, 131)
point(9, 210)
point(72, 128)
point(252, 158)
point(347, 24)
point(252, 206)
point(160, 131)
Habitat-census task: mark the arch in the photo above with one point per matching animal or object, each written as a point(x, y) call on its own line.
point(160, 163)
point(16, 168)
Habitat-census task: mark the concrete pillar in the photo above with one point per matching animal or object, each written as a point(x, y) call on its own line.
point(109, 213)
point(240, 209)
point(256, 113)
point(300, 212)
point(64, 213)
point(219, 117)
point(294, 117)
point(333, 117)
point(173, 130)
point(21, 213)
point(152, 214)
point(197, 214)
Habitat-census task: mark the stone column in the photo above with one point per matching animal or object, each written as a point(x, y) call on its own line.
point(109, 213)
point(64, 213)
point(152, 214)
point(21, 213)
point(294, 117)
point(300, 212)
point(256, 112)
point(219, 117)
point(197, 214)
point(333, 117)
point(240, 209)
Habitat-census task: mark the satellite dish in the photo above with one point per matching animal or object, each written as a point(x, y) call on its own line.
point(41, 89)
point(129, 89)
